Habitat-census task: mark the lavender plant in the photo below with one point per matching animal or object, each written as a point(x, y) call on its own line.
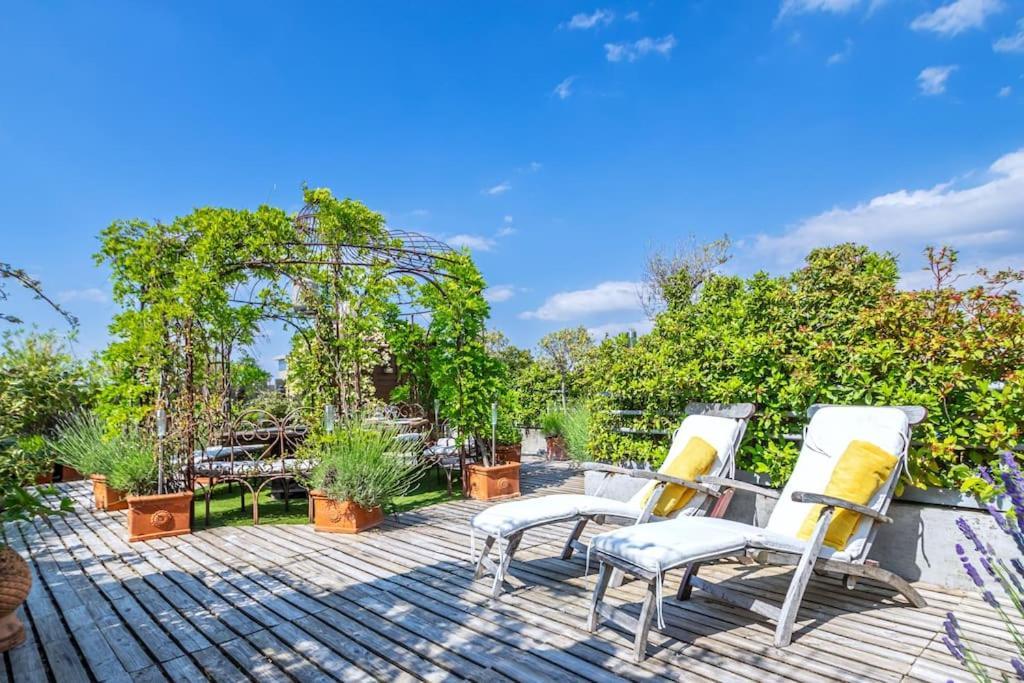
point(1006, 577)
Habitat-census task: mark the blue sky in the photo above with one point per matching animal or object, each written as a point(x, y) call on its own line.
point(560, 140)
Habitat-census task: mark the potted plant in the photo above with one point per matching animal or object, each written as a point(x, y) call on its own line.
point(82, 445)
point(16, 503)
point(509, 441)
point(134, 471)
point(355, 472)
point(552, 423)
point(498, 476)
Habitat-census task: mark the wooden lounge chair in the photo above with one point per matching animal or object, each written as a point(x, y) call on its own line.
point(648, 551)
point(720, 425)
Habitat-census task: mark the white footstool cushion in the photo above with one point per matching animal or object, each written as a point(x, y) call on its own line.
point(505, 519)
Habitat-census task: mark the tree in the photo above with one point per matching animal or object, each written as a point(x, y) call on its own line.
point(566, 352)
point(673, 279)
point(248, 379)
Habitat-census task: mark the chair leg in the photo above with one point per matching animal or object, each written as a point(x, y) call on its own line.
point(503, 564)
point(599, 589)
point(686, 585)
point(481, 561)
point(643, 626)
point(795, 594)
point(567, 550)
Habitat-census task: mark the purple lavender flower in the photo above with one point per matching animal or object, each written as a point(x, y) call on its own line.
point(986, 474)
point(990, 599)
point(1017, 566)
point(987, 565)
point(968, 532)
point(1018, 666)
point(954, 650)
point(972, 571)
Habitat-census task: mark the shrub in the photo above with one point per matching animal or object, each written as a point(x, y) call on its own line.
point(22, 459)
point(365, 464)
point(838, 330)
point(576, 430)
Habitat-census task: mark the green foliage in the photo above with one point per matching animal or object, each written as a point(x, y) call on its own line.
point(465, 378)
point(81, 443)
point(20, 504)
point(273, 403)
point(22, 459)
point(361, 463)
point(576, 431)
point(552, 423)
point(39, 382)
point(134, 468)
point(835, 331)
point(248, 379)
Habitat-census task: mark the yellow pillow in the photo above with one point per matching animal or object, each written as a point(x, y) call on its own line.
point(862, 469)
point(694, 460)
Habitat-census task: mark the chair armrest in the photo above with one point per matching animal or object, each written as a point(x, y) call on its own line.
point(728, 483)
point(607, 469)
point(830, 501)
point(667, 479)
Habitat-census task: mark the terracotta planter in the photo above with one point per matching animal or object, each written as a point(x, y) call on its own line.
point(493, 483)
point(556, 448)
point(159, 516)
point(70, 474)
point(15, 582)
point(105, 497)
point(342, 516)
point(509, 452)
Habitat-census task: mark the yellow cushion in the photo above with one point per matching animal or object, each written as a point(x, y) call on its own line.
point(862, 469)
point(694, 460)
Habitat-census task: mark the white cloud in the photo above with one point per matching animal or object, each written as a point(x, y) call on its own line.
point(499, 189)
point(932, 79)
point(989, 213)
point(630, 52)
point(507, 219)
point(599, 332)
point(1005, 91)
point(957, 17)
point(1014, 43)
point(93, 295)
point(419, 213)
point(505, 231)
point(499, 293)
point(807, 6)
point(583, 21)
point(564, 89)
point(604, 298)
point(534, 166)
point(841, 56)
point(474, 242)
point(633, 16)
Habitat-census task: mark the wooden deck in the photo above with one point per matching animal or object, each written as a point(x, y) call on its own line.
point(275, 603)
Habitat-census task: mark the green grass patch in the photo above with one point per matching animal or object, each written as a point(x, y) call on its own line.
point(226, 510)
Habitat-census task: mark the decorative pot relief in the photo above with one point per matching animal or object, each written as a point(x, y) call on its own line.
point(162, 519)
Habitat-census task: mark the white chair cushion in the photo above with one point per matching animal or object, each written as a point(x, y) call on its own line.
point(505, 519)
point(661, 546)
point(720, 432)
point(828, 435)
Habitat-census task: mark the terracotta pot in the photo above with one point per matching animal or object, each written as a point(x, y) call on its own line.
point(70, 474)
point(105, 497)
point(509, 452)
point(159, 516)
point(493, 483)
point(556, 448)
point(15, 582)
point(44, 479)
point(342, 516)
